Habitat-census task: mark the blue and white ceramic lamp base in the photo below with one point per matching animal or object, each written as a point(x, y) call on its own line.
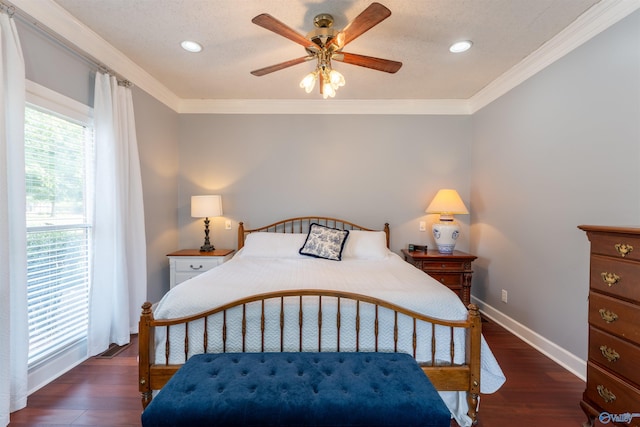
point(446, 233)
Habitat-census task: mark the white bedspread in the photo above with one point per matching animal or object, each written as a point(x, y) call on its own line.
point(390, 279)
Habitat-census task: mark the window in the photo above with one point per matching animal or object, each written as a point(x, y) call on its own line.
point(59, 170)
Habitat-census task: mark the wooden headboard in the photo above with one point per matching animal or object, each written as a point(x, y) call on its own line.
point(301, 225)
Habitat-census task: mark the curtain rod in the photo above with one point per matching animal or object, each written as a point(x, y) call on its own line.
point(13, 11)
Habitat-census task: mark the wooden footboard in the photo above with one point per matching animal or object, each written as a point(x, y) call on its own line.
point(445, 376)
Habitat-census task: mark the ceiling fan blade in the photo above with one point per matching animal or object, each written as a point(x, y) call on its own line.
point(282, 65)
point(272, 24)
point(379, 64)
point(369, 18)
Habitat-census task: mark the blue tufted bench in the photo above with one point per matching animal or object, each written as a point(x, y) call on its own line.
point(298, 389)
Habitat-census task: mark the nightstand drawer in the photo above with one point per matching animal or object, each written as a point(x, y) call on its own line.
point(188, 263)
point(196, 265)
point(454, 279)
point(182, 277)
point(452, 270)
point(442, 266)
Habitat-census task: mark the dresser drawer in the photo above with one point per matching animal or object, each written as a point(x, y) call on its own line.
point(616, 245)
point(197, 265)
point(618, 277)
point(615, 354)
point(617, 317)
point(611, 394)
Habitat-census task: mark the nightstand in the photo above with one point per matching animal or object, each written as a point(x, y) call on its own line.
point(452, 270)
point(188, 263)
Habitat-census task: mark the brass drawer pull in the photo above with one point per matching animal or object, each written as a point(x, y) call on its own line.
point(610, 354)
point(609, 278)
point(607, 315)
point(623, 249)
point(605, 394)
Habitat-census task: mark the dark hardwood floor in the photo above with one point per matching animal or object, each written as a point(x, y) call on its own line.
point(103, 392)
point(538, 392)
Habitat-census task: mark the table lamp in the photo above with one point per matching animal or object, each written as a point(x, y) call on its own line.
point(206, 207)
point(446, 203)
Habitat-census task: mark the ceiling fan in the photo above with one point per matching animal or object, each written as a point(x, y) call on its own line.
point(325, 44)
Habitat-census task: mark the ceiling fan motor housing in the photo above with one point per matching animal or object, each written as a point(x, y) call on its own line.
point(324, 31)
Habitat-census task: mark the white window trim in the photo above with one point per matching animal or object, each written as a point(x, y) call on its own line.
point(56, 103)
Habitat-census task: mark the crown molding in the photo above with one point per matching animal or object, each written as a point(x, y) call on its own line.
point(595, 20)
point(64, 27)
point(325, 106)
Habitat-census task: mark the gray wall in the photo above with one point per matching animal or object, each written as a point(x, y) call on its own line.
point(51, 65)
point(367, 169)
point(157, 133)
point(560, 150)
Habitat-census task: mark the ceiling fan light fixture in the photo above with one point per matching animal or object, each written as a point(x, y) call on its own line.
point(309, 81)
point(336, 79)
point(461, 46)
point(328, 90)
point(330, 81)
point(191, 46)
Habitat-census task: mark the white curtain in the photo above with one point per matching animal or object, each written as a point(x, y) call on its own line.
point(119, 284)
point(14, 334)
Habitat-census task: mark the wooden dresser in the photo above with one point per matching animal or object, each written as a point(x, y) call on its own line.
point(452, 270)
point(613, 367)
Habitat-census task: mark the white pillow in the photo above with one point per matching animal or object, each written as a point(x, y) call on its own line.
point(273, 245)
point(366, 245)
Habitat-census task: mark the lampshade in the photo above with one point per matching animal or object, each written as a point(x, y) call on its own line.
point(447, 202)
point(206, 206)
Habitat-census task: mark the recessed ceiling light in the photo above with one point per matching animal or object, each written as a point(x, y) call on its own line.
point(461, 46)
point(191, 46)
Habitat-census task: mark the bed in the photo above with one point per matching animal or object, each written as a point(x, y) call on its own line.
point(285, 291)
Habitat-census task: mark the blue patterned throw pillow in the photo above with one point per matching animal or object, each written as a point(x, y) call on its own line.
point(324, 242)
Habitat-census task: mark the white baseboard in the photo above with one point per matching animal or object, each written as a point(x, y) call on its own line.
point(567, 360)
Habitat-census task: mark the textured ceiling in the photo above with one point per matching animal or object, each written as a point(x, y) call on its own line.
point(418, 33)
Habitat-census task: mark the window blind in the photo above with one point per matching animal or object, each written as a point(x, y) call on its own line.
point(58, 162)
